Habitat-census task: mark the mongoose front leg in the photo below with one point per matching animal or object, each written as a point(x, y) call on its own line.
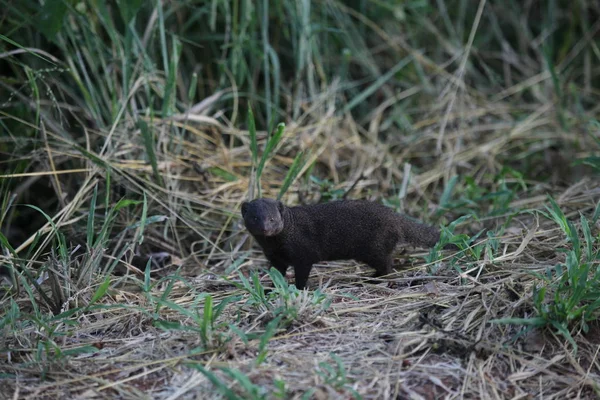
point(278, 262)
point(282, 268)
point(302, 272)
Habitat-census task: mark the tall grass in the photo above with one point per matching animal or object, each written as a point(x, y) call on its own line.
point(131, 131)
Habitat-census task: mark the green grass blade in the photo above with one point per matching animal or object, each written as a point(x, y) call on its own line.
point(557, 87)
point(221, 387)
point(360, 98)
point(270, 331)
point(193, 87)
point(446, 195)
point(163, 36)
point(266, 67)
point(51, 17)
point(129, 9)
point(149, 145)
point(272, 142)
point(537, 321)
point(147, 279)
point(563, 331)
point(143, 221)
point(101, 291)
point(252, 133)
point(171, 84)
point(589, 241)
point(292, 173)
point(90, 221)
point(596, 214)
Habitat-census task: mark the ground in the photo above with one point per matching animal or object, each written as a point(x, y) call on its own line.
point(131, 133)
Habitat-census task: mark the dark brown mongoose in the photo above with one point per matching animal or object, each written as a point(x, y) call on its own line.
point(360, 230)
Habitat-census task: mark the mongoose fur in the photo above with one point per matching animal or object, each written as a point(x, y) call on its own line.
point(301, 236)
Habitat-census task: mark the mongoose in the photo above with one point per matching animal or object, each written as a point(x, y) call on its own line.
point(301, 236)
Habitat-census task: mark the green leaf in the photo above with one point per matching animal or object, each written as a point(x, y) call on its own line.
point(221, 387)
point(563, 331)
point(143, 219)
point(125, 203)
point(178, 308)
point(90, 221)
point(596, 213)
point(557, 86)
point(278, 279)
point(361, 97)
point(589, 241)
point(558, 216)
point(240, 333)
point(445, 197)
point(150, 220)
point(193, 86)
point(4, 241)
point(226, 175)
point(221, 306)
point(80, 350)
point(271, 143)
point(537, 321)
point(251, 389)
point(252, 133)
point(270, 330)
point(27, 50)
point(170, 93)
point(149, 145)
point(208, 310)
point(129, 9)
point(107, 209)
point(147, 279)
point(172, 326)
point(51, 17)
point(100, 291)
point(292, 173)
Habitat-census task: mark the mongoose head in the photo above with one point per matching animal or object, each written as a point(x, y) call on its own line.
point(263, 217)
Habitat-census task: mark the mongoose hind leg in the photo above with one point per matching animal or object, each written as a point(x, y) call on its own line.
point(382, 265)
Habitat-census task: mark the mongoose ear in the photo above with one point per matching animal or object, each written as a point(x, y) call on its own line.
point(280, 206)
point(244, 208)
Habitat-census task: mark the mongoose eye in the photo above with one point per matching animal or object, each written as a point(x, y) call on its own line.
point(271, 219)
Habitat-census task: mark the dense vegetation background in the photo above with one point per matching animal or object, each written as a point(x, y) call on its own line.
point(131, 131)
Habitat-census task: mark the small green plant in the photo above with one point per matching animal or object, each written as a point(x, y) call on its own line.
point(327, 189)
point(335, 376)
point(242, 388)
point(568, 297)
point(470, 249)
point(280, 391)
point(447, 236)
point(212, 332)
point(284, 302)
point(479, 200)
point(45, 335)
point(280, 306)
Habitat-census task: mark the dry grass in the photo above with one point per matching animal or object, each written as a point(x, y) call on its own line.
point(417, 335)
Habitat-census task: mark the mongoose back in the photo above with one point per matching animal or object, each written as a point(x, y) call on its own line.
point(360, 230)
